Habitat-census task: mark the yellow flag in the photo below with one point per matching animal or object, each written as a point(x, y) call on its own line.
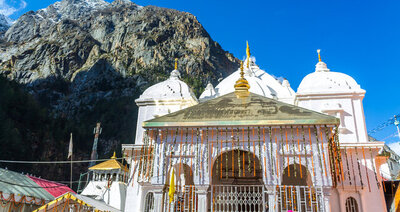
point(171, 191)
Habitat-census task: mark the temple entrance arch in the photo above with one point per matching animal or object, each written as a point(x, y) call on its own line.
point(183, 174)
point(185, 198)
point(237, 182)
point(296, 191)
point(296, 175)
point(237, 167)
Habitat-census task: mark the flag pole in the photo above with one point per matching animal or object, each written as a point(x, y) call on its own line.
point(70, 178)
point(70, 155)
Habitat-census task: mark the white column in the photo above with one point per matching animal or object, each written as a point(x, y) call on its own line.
point(158, 204)
point(271, 198)
point(202, 198)
point(327, 196)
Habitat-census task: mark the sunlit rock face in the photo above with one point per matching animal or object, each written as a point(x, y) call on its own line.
point(76, 40)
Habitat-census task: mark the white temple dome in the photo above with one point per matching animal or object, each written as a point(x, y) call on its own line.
point(172, 88)
point(260, 82)
point(326, 81)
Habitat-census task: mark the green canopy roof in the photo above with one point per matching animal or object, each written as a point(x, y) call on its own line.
point(16, 183)
point(228, 110)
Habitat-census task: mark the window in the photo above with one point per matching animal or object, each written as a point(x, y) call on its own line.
point(149, 202)
point(351, 205)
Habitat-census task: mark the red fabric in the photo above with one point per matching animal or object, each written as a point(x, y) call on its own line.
point(55, 189)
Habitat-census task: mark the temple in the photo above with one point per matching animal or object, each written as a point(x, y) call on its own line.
point(252, 143)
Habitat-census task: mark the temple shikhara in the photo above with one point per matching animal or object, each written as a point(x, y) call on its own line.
point(251, 143)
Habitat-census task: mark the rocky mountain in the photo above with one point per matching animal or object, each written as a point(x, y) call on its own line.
point(87, 60)
point(5, 23)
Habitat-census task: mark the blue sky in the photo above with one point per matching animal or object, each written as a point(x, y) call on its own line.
point(357, 37)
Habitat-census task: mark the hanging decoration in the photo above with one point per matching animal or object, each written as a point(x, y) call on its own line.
point(233, 153)
point(359, 167)
point(271, 152)
point(319, 151)
point(191, 152)
point(259, 148)
point(238, 150)
point(265, 154)
point(201, 152)
point(165, 149)
point(292, 152)
point(373, 168)
point(152, 154)
point(196, 155)
point(347, 165)
point(226, 153)
point(354, 173)
point(304, 146)
point(277, 156)
point(366, 169)
point(254, 152)
point(299, 150)
point(323, 151)
point(287, 152)
point(207, 155)
point(282, 149)
point(211, 153)
point(159, 154)
point(217, 152)
point(248, 148)
point(221, 154)
point(180, 152)
point(312, 153)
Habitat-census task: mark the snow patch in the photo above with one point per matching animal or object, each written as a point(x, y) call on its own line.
point(395, 147)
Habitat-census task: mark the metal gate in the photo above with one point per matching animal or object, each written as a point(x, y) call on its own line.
point(185, 199)
point(249, 198)
point(299, 199)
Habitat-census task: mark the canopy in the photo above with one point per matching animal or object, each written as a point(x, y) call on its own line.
point(228, 110)
point(24, 185)
point(75, 201)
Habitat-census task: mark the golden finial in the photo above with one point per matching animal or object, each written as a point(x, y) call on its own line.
point(114, 156)
point(248, 54)
point(242, 85)
point(241, 69)
point(319, 55)
point(176, 63)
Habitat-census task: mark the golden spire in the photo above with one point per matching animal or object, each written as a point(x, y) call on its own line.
point(114, 156)
point(319, 55)
point(242, 85)
point(248, 54)
point(176, 63)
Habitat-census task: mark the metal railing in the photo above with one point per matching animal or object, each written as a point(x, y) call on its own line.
point(249, 198)
point(299, 198)
point(185, 200)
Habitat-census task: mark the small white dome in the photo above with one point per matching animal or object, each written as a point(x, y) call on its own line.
point(208, 93)
point(325, 81)
point(172, 88)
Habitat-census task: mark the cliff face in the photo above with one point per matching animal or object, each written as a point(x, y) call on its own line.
point(72, 39)
point(87, 60)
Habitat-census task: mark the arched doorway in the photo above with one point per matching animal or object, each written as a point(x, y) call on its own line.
point(296, 192)
point(237, 183)
point(185, 198)
point(296, 175)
